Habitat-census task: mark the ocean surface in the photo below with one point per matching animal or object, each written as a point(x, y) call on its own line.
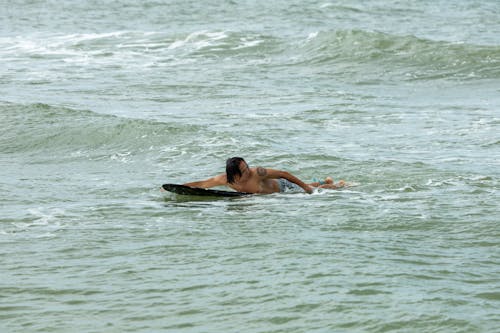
point(101, 102)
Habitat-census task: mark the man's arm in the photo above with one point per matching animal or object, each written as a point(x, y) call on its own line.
point(275, 174)
point(210, 182)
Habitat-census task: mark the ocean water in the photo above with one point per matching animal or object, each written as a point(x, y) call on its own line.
point(101, 102)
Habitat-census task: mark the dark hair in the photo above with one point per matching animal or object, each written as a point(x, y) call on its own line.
point(233, 168)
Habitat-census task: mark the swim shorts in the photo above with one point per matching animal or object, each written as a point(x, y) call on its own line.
point(288, 186)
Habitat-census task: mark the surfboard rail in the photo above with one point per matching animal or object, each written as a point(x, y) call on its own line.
point(187, 190)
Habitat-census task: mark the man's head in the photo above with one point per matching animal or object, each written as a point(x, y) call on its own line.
point(235, 167)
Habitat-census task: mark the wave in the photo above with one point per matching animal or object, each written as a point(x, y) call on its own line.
point(131, 45)
point(420, 57)
point(41, 127)
point(355, 51)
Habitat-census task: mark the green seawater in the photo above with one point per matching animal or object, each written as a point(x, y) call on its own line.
point(101, 102)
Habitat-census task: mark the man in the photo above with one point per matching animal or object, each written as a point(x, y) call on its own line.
point(240, 177)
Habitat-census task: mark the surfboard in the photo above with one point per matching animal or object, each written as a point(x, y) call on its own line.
point(186, 190)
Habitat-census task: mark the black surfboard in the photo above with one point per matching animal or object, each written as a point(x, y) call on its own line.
point(186, 190)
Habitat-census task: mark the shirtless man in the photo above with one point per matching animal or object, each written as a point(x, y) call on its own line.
point(240, 177)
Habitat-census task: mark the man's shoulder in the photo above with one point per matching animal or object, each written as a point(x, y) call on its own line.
point(261, 171)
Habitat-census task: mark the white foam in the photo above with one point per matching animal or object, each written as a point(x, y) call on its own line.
point(198, 40)
point(44, 218)
point(68, 46)
point(177, 44)
point(77, 38)
point(130, 49)
point(40, 217)
point(121, 157)
point(312, 35)
point(247, 43)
